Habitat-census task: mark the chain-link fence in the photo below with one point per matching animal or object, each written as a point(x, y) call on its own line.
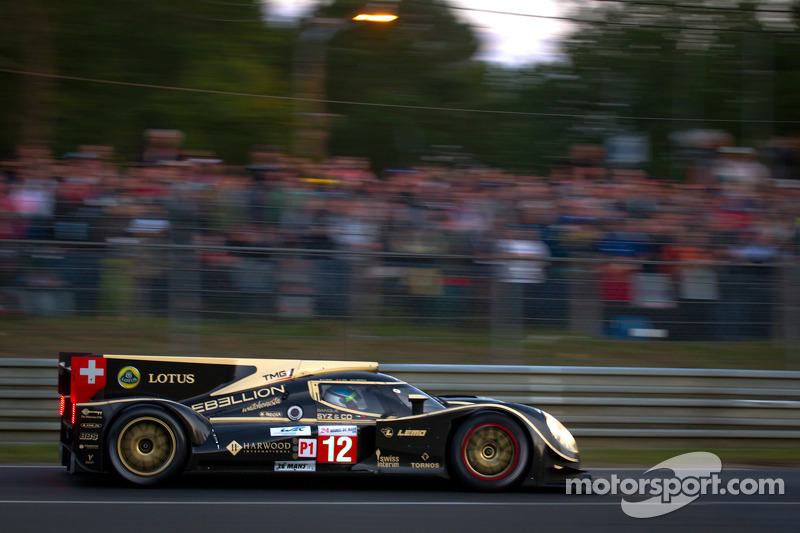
point(379, 299)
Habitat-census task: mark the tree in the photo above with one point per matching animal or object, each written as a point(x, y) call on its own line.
point(175, 43)
point(422, 60)
point(660, 67)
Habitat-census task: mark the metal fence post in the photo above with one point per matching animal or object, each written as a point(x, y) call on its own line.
point(585, 307)
point(790, 313)
point(507, 319)
point(185, 300)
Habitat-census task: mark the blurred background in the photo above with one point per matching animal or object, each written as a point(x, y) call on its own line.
point(597, 183)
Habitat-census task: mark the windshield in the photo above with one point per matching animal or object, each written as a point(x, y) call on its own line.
point(386, 399)
point(396, 397)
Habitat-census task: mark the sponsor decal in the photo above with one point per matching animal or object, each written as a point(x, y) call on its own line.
point(336, 416)
point(387, 461)
point(426, 464)
point(261, 405)
point(412, 432)
point(281, 374)
point(295, 466)
point(91, 425)
point(338, 430)
point(88, 447)
point(295, 412)
point(181, 379)
point(88, 378)
point(270, 414)
point(88, 436)
point(88, 413)
point(307, 448)
point(263, 447)
point(128, 377)
point(292, 431)
point(337, 447)
point(387, 432)
point(259, 447)
point(242, 397)
point(89, 459)
point(234, 447)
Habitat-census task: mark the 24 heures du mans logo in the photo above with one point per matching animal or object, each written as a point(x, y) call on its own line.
point(130, 377)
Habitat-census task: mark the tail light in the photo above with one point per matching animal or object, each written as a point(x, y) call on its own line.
point(67, 409)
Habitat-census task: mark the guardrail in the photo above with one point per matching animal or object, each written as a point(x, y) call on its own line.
point(666, 404)
point(28, 401)
point(596, 403)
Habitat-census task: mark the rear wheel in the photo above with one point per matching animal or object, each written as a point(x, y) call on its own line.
point(489, 452)
point(147, 446)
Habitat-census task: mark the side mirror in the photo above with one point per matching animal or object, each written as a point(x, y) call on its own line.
point(417, 403)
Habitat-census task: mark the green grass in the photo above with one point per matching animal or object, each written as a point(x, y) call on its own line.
point(28, 454)
point(384, 339)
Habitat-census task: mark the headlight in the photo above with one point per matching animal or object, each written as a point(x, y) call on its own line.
point(562, 434)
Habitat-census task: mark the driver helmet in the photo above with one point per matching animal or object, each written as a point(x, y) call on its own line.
point(344, 396)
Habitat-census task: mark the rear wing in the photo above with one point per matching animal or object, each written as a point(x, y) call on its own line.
point(65, 370)
point(67, 397)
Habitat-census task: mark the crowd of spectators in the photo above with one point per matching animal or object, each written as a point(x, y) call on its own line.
point(435, 235)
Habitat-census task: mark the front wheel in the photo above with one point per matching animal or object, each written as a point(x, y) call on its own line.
point(489, 452)
point(147, 446)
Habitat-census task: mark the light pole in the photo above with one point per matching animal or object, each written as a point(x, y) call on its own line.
point(311, 120)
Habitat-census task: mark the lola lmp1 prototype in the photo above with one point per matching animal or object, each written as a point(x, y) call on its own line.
point(149, 418)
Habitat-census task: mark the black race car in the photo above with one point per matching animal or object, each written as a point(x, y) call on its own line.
point(150, 418)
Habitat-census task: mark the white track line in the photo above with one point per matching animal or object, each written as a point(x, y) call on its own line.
point(589, 469)
point(352, 503)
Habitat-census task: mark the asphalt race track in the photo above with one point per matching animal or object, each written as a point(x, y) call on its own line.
point(46, 498)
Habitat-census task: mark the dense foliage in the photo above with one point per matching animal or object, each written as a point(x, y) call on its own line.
point(643, 67)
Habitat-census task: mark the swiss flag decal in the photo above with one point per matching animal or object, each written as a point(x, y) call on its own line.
point(88, 377)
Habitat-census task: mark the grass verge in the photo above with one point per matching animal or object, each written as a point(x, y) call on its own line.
point(28, 454)
point(387, 340)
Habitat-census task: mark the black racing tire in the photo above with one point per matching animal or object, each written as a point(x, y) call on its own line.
point(147, 446)
point(489, 452)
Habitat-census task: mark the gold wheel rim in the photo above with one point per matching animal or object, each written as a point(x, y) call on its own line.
point(146, 446)
point(490, 452)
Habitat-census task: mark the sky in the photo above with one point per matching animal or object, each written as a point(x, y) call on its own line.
point(506, 39)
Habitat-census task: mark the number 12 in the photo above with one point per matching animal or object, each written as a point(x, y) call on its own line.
point(345, 448)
